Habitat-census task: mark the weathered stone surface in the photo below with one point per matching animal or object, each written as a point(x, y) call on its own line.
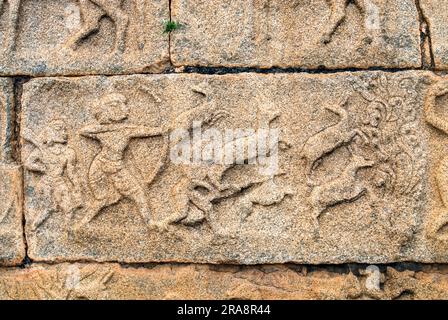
point(437, 17)
point(357, 177)
point(308, 34)
point(110, 281)
point(12, 246)
point(69, 37)
point(6, 119)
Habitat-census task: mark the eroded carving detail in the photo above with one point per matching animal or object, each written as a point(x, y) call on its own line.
point(329, 139)
point(109, 178)
point(374, 140)
point(338, 15)
point(346, 188)
point(66, 283)
point(12, 20)
point(7, 200)
point(203, 185)
point(439, 121)
point(55, 161)
point(390, 285)
point(92, 12)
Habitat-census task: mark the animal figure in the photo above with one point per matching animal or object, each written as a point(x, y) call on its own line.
point(345, 188)
point(329, 139)
point(266, 194)
point(216, 171)
point(92, 12)
point(204, 184)
point(195, 176)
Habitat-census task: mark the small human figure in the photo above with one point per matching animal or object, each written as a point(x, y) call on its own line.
point(53, 158)
point(13, 16)
point(439, 122)
point(109, 179)
point(92, 12)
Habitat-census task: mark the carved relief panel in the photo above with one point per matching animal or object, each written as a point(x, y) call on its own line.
point(333, 34)
point(436, 104)
point(54, 37)
point(311, 168)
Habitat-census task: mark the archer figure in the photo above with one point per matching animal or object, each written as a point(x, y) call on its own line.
point(109, 178)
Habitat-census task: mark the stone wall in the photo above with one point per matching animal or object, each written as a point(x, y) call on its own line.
point(253, 149)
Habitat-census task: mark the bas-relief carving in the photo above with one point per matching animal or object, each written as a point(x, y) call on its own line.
point(435, 116)
point(110, 180)
point(92, 12)
point(338, 15)
point(55, 161)
point(379, 140)
point(261, 189)
point(368, 160)
point(110, 281)
point(72, 282)
point(311, 34)
point(111, 36)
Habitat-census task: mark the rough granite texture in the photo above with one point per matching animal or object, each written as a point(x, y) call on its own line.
point(12, 246)
point(110, 281)
point(353, 182)
point(6, 120)
point(192, 149)
point(436, 14)
point(294, 33)
point(68, 37)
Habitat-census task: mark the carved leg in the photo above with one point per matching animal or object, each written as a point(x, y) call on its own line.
point(120, 18)
point(202, 202)
point(181, 201)
point(338, 13)
point(317, 210)
point(362, 135)
point(139, 197)
point(442, 184)
point(90, 25)
point(40, 219)
point(316, 226)
point(64, 200)
point(93, 210)
point(339, 108)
